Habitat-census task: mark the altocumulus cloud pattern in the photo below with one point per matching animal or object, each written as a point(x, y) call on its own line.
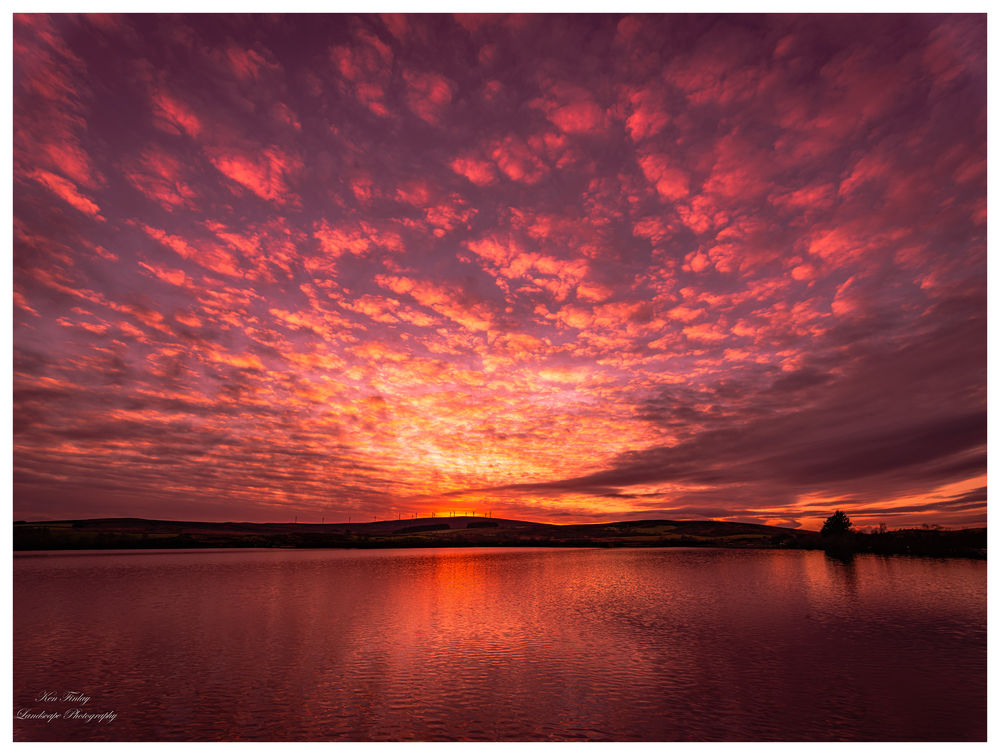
point(564, 268)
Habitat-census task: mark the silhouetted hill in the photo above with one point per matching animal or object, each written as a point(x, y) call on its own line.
point(86, 534)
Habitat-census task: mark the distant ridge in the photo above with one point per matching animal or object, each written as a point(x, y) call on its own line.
point(464, 531)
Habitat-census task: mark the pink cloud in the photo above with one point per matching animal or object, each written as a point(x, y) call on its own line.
point(366, 66)
point(72, 161)
point(807, 198)
point(173, 276)
point(870, 168)
point(428, 95)
point(593, 292)
point(247, 64)
point(337, 241)
point(416, 193)
point(480, 172)
point(803, 272)
point(173, 116)
point(242, 361)
point(397, 24)
point(685, 314)
point(648, 116)
point(68, 192)
point(702, 214)
point(157, 174)
point(208, 255)
point(450, 215)
point(263, 173)
point(836, 245)
point(578, 117)
point(670, 181)
point(698, 261)
point(517, 160)
point(706, 332)
point(377, 308)
point(446, 301)
point(370, 57)
point(372, 95)
point(654, 228)
point(861, 84)
point(284, 114)
point(845, 301)
point(570, 108)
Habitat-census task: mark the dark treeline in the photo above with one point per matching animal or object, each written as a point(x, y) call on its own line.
point(839, 536)
point(970, 543)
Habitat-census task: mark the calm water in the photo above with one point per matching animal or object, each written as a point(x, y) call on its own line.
point(500, 644)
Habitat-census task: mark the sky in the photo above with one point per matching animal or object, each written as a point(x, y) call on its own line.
point(560, 268)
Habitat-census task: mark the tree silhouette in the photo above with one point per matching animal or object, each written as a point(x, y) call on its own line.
point(837, 524)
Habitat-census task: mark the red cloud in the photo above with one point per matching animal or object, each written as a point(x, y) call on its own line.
point(208, 255)
point(264, 174)
point(366, 66)
point(571, 108)
point(648, 115)
point(870, 168)
point(480, 172)
point(450, 303)
point(807, 198)
point(172, 276)
point(284, 114)
point(157, 174)
point(836, 245)
point(173, 116)
point(578, 117)
point(67, 191)
point(449, 216)
point(416, 193)
point(247, 64)
point(670, 181)
point(517, 161)
point(428, 94)
point(397, 24)
point(72, 161)
point(334, 243)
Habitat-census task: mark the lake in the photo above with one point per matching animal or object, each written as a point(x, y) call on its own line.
point(668, 644)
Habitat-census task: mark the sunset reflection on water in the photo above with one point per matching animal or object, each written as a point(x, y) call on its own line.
point(504, 644)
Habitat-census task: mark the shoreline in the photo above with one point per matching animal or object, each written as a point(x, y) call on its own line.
point(141, 534)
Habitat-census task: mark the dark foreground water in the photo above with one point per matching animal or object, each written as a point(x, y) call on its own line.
point(498, 644)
